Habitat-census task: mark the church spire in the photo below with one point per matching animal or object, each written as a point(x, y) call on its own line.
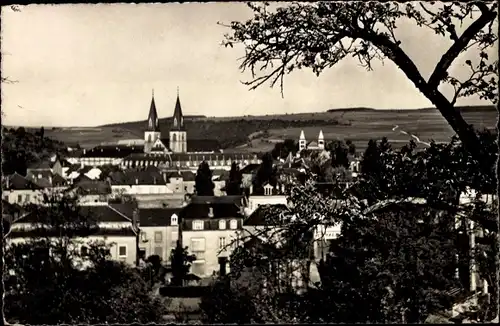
point(178, 117)
point(153, 124)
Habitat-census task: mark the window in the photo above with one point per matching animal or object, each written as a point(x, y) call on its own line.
point(19, 198)
point(122, 251)
point(158, 236)
point(27, 199)
point(197, 245)
point(198, 225)
point(222, 225)
point(158, 251)
point(233, 224)
point(222, 242)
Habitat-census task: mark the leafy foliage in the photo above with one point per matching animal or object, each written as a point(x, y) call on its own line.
point(318, 35)
point(181, 263)
point(265, 173)
point(21, 148)
point(234, 183)
point(59, 282)
point(282, 150)
point(204, 185)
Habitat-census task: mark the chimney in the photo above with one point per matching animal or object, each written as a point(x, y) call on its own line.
point(165, 177)
point(81, 164)
point(210, 212)
point(136, 181)
point(251, 189)
point(222, 266)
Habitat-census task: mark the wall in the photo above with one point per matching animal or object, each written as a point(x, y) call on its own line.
point(169, 235)
point(211, 253)
point(140, 189)
point(114, 241)
point(35, 196)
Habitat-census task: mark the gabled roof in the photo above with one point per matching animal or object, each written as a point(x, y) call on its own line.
point(201, 210)
point(98, 213)
point(93, 187)
point(258, 217)
point(42, 165)
point(117, 151)
point(188, 176)
point(157, 216)
point(236, 200)
point(18, 182)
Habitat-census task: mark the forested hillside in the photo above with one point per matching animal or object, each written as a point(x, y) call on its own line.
point(21, 148)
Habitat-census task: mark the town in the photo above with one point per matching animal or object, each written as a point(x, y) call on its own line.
point(314, 228)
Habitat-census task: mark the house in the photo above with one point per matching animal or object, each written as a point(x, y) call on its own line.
point(91, 191)
point(263, 233)
point(210, 227)
point(271, 196)
point(159, 231)
point(113, 225)
point(19, 190)
point(53, 166)
point(138, 183)
point(47, 179)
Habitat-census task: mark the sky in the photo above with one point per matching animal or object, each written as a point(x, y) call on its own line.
point(88, 65)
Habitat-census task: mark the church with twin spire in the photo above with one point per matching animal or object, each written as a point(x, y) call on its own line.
point(177, 141)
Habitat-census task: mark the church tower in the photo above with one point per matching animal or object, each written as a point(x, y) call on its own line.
point(302, 141)
point(178, 134)
point(152, 132)
point(321, 140)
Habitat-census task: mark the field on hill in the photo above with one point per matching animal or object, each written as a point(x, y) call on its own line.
point(89, 136)
point(259, 133)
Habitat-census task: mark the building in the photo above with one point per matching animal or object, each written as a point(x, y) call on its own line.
point(21, 191)
point(313, 145)
point(115, 226)
point(159, 231)
point(210, 227)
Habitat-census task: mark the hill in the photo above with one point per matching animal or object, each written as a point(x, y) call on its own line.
point(259, 133)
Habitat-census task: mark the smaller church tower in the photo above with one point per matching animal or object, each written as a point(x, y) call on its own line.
point(152, 132)
point(321, 140)
point(178, 134)
point(302, 141)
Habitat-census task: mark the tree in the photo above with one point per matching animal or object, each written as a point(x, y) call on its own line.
point(59, 282)
point(234, 182)
point(181, 263)
point(282, 150)
point(265, 173)
point(204, 185)
point(319, 35)
point(394, 259)
point(340, 155)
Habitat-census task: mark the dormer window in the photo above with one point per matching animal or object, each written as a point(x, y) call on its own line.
point(198, 225)
point(210, 212)
point(222, 225)
point(233, 224)
point(173, 220)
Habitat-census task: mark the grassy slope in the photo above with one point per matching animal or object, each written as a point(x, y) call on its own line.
point(358, 125)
